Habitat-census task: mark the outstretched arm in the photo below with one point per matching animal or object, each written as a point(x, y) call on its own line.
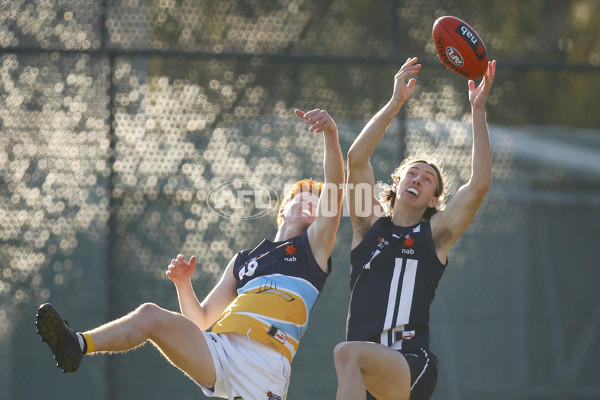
point(360, 173)
point(204, 314)
point(449, 224)
point(322, 232)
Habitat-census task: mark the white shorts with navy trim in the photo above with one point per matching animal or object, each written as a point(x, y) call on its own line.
point(246, 369)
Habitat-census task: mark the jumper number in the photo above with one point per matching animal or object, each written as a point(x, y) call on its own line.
point(248, 269)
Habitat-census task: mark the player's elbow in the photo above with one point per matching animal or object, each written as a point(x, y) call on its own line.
point(481, 182)
point(356, 157)
point(481, 186)
point(486, 182)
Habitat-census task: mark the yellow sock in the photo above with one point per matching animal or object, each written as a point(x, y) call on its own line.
point(89, 343)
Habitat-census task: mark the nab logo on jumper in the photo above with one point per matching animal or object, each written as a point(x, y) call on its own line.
point(290, 250)
point(409, 241)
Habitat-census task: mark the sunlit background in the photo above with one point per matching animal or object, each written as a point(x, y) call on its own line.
point(118, 118)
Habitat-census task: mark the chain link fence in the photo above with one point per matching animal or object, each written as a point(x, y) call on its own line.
point(119, 119)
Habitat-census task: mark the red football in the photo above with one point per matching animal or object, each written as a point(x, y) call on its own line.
point(459, 47)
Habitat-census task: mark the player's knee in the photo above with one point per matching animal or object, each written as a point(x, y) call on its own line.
point(343, 354)
point(149, 309)
point(149, 315)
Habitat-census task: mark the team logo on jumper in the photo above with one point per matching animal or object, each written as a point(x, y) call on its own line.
point(271, 396)
point(290, 250)
point(271, 288)
point(381, 243)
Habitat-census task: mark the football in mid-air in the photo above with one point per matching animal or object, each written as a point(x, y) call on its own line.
point(459, 47)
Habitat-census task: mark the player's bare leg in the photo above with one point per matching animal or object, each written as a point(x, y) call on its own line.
point(381, 370)
point(176, 337)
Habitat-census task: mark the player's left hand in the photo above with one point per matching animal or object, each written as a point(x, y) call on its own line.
point(478, 95)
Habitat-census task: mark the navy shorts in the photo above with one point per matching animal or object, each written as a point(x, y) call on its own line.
point(423, 373)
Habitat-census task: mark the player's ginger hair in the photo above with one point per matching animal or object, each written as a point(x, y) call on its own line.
point(305, 185)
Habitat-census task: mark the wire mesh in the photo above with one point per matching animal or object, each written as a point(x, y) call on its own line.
point(120, 118)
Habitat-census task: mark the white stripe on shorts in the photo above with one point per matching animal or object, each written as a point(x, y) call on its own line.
point(424, 368)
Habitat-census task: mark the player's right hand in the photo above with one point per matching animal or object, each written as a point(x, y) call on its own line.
point(402, 88)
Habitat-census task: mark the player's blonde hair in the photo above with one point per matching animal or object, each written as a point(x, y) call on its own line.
point(387, 198)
